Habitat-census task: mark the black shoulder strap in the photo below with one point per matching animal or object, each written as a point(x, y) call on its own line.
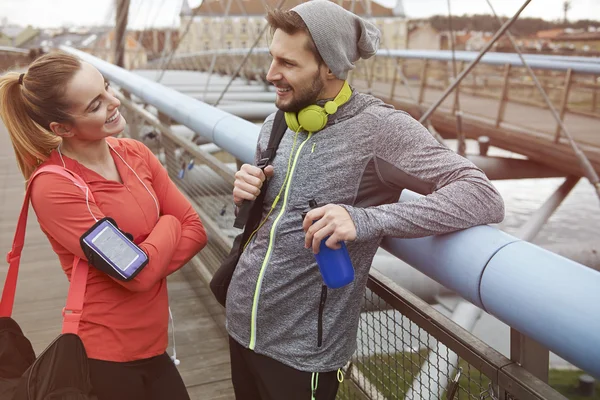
point(266, 158)
point(277, 131)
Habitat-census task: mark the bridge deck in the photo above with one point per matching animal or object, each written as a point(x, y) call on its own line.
point(202, 344)
point(525, 129)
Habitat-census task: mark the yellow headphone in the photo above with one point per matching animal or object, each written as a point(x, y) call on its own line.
point(314, 118)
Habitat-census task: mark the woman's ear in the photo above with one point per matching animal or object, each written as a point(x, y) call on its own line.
point(61, 130)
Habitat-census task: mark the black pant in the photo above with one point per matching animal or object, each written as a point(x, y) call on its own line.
point(257, 377)
point(153, 378)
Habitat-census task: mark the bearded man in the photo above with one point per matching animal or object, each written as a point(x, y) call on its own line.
point(353, 154)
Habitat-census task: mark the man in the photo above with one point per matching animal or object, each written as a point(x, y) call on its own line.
point(289, 334)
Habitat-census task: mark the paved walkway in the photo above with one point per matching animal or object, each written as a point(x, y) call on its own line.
point(202, 344)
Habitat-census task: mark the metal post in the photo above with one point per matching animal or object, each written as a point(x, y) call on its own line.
point(456, 105)
point(594, 96)
point(155, 48)
point(503, 95)
point(484, 145)
point(497, 36)
point(564, 102)
point(371, 76)
point(394, 79)
point(529, 354)
point(210, 73)
point(170, 157)
point(121, 32)
point(423, 85)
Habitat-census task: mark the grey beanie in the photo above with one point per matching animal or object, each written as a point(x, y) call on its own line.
point(340, 36)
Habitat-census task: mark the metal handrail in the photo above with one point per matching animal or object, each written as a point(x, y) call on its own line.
point(7, 49)
point(556, 63)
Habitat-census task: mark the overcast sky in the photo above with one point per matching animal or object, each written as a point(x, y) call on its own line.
point(145, 13)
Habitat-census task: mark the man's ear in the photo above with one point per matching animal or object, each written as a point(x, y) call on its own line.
point(329, 75)
point(61, 130)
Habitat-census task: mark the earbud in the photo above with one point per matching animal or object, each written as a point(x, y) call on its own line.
point(174, 356)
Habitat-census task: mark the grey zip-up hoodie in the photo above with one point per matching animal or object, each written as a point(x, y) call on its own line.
point(365, 156)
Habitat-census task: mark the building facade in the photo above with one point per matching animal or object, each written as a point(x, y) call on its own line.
point(225, 24)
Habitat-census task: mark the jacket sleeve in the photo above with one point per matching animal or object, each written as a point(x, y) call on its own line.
point(173, 203)
point(64, 215)
point(458, 194)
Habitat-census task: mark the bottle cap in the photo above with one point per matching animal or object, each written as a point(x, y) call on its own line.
point(312, 203)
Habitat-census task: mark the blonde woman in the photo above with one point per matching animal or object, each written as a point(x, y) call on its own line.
point(63, 112)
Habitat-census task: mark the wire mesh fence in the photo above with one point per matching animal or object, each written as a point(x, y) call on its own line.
point(408, 350)
point(397, 359)
point(192, 169)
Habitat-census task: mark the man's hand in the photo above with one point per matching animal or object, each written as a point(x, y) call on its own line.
point(333, 220)
point(248, 181)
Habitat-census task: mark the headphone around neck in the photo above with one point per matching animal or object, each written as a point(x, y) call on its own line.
point(314, 118)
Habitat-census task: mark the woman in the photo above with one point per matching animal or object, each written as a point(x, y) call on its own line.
point(63, 112)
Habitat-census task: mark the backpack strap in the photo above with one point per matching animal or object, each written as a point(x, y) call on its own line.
point(266, 157)
point(72, 311)
point(277, 131)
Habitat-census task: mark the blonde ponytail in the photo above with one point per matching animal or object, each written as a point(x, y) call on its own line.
point(29, 104)
point(31, 142)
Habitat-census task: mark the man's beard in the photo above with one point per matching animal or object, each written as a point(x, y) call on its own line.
point(304, 97)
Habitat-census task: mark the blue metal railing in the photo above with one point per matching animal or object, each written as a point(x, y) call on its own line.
point(586, 65)
point(7, 49)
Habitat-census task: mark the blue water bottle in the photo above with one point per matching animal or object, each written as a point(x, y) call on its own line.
point(335, 265)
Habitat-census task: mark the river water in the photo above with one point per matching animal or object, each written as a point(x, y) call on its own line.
point(576, 220)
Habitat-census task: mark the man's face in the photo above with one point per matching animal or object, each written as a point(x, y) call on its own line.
point(294, 71)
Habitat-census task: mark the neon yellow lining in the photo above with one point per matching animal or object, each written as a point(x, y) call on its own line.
point(314, 383)
point(270, 248)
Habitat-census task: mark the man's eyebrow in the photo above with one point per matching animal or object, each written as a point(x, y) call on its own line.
point(286, 59)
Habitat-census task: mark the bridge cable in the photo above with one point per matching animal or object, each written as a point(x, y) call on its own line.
point(462, 148)
point(584, 162)
point(165, 64)
point(256, 42)
point(215, 54)
point(474, 63)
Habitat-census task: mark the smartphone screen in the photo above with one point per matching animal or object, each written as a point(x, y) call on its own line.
point(115, 248)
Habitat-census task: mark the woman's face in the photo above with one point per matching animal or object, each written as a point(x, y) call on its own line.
point(95, 109)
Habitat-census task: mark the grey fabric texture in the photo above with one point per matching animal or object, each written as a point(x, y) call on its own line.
point(341, 37)
point(362, 160)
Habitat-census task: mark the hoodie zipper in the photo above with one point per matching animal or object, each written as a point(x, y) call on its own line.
point(320, 321)
point(270, 248)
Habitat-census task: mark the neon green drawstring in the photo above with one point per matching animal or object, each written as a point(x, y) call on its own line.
point(340, 375)
point(314, 383)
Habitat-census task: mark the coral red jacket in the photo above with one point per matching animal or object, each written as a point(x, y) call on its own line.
point(121, 321)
